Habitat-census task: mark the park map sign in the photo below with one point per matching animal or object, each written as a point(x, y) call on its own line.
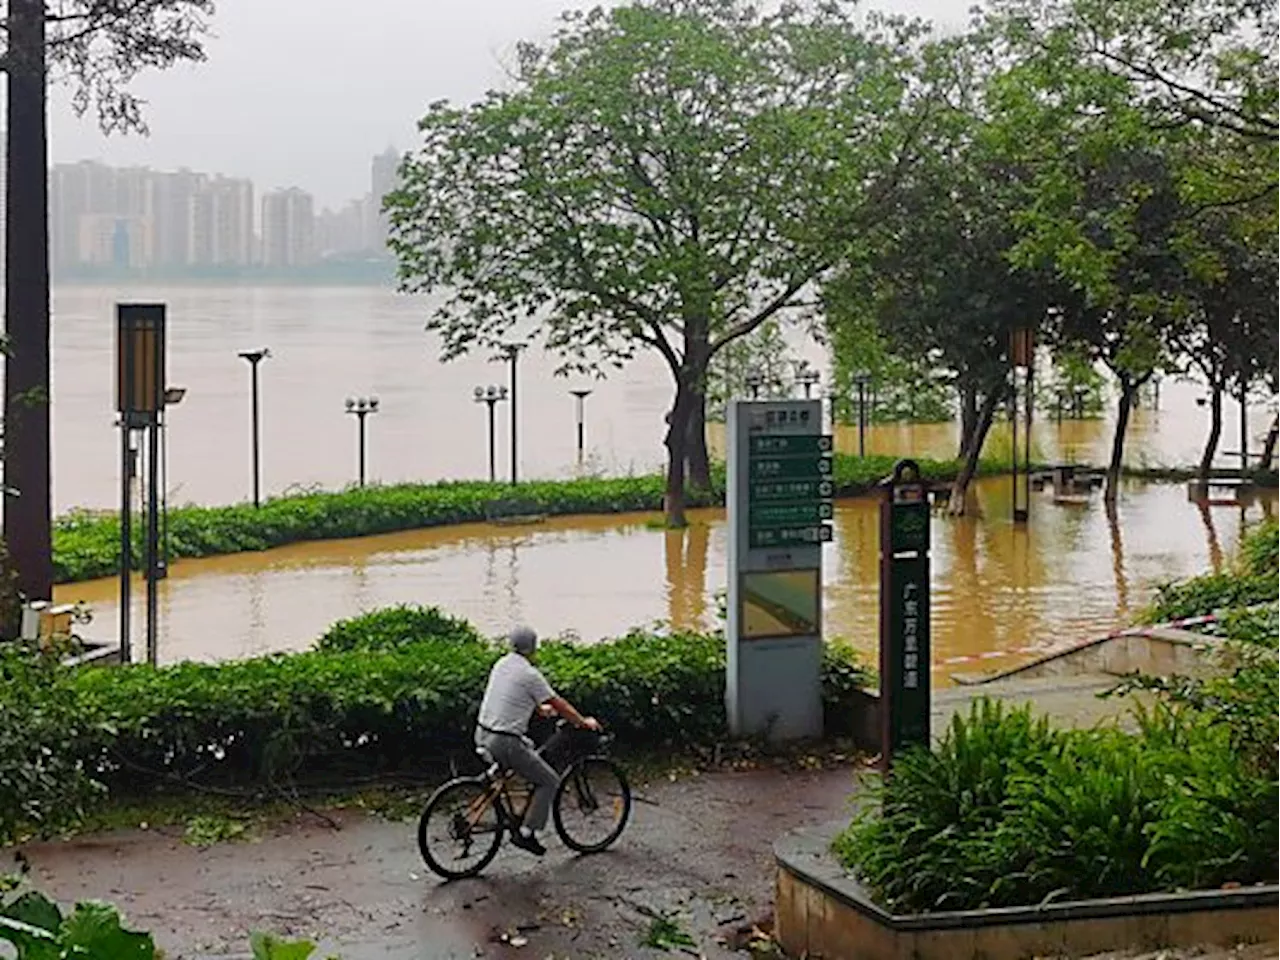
point(779, 513)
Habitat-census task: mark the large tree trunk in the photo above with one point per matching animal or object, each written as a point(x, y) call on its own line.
point(28, 518)
point(973, 451)
point(968, 416)
point(699, 460)
point(1128, 391)
point(1215, 433)
point(677, 442)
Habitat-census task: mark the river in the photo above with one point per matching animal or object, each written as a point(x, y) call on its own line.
point(331, 343)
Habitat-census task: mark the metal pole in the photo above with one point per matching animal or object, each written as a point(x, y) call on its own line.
point(164, 491)
point(581, 437)
point(515, 446)
point(493, 450)
point(126, 527)
point(1028, 398)
point(153, 537)
point(360, 415)
point(1013, 427)
point(1244, 429)
point(862, 419)
point(257, 438)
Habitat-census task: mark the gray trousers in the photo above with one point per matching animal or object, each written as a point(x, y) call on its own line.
point(517, 753)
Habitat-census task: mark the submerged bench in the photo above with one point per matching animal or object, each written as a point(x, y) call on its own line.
point(513, 510)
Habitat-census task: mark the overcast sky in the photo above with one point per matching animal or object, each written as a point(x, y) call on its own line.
point(304, 92)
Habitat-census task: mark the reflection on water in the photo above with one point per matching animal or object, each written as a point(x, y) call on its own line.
point(998, 590)
point(329, 343)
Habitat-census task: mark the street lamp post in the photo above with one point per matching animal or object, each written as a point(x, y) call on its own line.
point(806, 376)
point(360, 408)
point(492, 395)
point(753, 381)
point(861, 379)
point(172, 396)
point(511, 353)
point(581, 394)
point(255, 357)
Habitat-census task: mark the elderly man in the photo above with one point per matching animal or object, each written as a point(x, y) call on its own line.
point(517, 688)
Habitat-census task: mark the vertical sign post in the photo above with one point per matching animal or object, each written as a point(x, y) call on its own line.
point(779, 508)
point(140, 398)
point(904, 612)
point(1022, 355)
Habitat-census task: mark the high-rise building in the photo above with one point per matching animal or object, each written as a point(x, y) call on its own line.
point(232, 221)
point(385, 177)
point(288, 228)
point(174, 199)
point(343, 233)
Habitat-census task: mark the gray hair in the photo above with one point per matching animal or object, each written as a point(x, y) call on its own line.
point(523, 640)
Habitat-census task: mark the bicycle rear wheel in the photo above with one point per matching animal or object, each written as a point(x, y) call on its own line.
point(460, 829)
point(592, 804)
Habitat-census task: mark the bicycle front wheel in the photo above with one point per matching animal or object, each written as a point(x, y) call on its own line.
point(592, 804)
point(460, 830)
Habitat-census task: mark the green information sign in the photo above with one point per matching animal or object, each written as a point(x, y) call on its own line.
point(763, 515)
point(792, 490)
point(809, 467)
point(789, 536)
point(909, 527)
point(788, 444)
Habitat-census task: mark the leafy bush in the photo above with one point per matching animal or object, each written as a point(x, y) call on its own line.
point(87, 546)
point(36, 928)
point(1253, 580)
point(1009, 812)
point(394, 627)
point(389, 703)
point(43, 781)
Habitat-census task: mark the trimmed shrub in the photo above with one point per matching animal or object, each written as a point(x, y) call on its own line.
point(392, 627)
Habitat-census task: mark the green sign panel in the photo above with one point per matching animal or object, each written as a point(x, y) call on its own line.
point(792, 490)
point(789, 445)
point(909, 526)
point(763, 515)
point(908, 654)
point(791, 468)
point(789, 536)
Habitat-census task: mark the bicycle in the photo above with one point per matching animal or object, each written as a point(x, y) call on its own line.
point(468, 816)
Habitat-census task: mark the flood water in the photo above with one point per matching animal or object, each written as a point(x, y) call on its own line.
point(1000, 593)
point(331, 343)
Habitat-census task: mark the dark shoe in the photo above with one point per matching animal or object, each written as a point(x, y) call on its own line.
point(529, 843)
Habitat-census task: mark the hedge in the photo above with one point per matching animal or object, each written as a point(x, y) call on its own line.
point(87, 546)
point(389, 703)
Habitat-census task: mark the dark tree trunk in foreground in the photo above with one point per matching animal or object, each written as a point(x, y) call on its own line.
point(677, 443)
point(972, 451)
point(1269, 445)
point(968, 417)
point(1215, 433)
point(28, 517)
point(1128, 393)
point(696, 454)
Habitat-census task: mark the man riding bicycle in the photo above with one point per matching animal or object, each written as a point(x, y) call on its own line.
point(516, 688)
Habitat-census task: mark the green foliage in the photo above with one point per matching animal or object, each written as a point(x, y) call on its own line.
point(387, 704)
point(87, 546)
point(1253, 581)
point(392, 627)
point(44, 784)
point(666, 933)
point(1009, 812)
point(206, 830)
point(36, 928)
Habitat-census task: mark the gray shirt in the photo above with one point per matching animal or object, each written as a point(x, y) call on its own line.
point(515, 689)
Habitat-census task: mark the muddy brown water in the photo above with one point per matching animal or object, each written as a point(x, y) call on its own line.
point(331, 343)
point(1001, 593)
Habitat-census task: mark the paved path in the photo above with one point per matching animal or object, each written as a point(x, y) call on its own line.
point(698, 848)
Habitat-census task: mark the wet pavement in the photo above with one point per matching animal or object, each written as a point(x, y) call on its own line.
point(697, 849)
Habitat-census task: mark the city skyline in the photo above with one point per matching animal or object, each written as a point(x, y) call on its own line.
point(138, 217)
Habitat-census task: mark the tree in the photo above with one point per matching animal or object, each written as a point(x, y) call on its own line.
point(97, 46)
point(666, 176)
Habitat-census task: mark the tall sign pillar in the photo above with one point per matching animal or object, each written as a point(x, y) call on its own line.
point(140, 398)
point(779, 508)
point(904, 611)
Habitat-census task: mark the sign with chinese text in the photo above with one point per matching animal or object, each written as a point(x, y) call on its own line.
point(904, 612)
